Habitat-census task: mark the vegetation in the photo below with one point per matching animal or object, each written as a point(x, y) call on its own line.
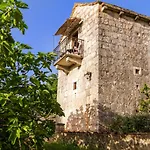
point(27, 86)
point(67, 146)
point(136, 123)
point(61, 146)
point(131, 124)
point(144, 106)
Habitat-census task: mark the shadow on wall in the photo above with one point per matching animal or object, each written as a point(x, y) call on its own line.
point(100, 119)
point(84, 119)
point(106, 117)
point(94, 117)
point(85, 122)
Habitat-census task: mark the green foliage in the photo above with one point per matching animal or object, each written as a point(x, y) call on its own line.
point(61, 146)
point(136, 123)
point(67, 146)
point(27, 86)
point(131, 124)
point(144, 105)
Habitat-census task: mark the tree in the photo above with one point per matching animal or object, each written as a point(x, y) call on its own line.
point(27, 86)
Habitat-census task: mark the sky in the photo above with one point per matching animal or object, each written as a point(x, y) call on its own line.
point(44, 17)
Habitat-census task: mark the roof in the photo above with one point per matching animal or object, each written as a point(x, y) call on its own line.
point(115, 8)
point(68, 26)
point(71, 23)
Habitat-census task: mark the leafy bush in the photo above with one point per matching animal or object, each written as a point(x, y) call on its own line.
point(67, 146)
point(131, 124)
point(61, 146)
point(144, 105)
point(136, 123)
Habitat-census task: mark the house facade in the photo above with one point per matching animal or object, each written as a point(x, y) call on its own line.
point(103, 62)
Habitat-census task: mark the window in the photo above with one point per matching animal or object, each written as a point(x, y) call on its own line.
point(137, 71)
point(75, 39)
point(74, 85)
point(75, 35)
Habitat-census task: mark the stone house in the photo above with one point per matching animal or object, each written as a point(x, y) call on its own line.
point(103, 61)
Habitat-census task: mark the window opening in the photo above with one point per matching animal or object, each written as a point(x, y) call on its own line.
point(76, 44)
point(74, 85)
point(75, 35)
point(137, 71)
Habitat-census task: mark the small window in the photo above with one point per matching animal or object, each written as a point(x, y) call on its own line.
point(137, 71)
point(74, 85)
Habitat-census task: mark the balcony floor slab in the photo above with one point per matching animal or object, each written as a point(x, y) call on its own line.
point(62, 61)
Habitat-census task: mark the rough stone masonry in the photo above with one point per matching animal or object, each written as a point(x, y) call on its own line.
point(117, 55)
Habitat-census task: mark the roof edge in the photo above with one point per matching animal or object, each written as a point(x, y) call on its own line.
point(114, 8)
point(82, 4)
point(127, 12)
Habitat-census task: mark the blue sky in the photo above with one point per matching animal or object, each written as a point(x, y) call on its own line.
point(44, 17)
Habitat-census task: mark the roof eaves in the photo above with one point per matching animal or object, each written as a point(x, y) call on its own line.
point(127, 12)
point(114, 8)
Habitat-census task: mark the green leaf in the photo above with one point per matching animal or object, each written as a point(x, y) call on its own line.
point(13, 137)
point(3, 101)
point(25, 128)
point(18, 133)
point(35, 81)
point(21, 5)
point(21, 102)
point(25, 46)
point(45, 92)
point(15, 22)
point(3, 6)
point(13, 121)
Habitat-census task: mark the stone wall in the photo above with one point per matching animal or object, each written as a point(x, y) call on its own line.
point(105, 141)
point(124, 67)
point(80, 105)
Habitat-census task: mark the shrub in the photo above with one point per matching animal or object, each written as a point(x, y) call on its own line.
point(61, 146)
point(131, 124)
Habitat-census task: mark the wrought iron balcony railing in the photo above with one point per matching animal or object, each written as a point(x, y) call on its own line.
point(69, 45)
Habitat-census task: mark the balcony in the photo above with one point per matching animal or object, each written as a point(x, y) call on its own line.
point(69, 54)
